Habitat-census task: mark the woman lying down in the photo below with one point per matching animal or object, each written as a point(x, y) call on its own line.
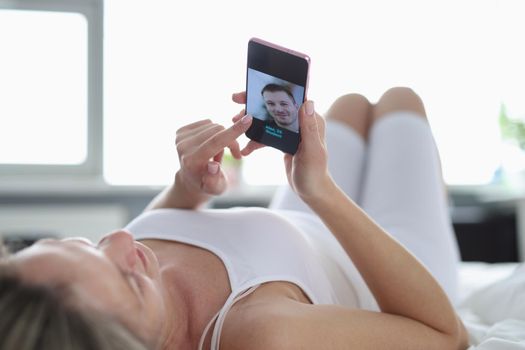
point(357, 253)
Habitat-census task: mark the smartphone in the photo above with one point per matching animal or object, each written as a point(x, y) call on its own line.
point(276, 85)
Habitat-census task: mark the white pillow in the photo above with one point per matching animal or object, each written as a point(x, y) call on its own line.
point(501, 300)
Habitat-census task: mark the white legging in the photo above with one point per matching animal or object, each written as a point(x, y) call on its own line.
point(396, 178)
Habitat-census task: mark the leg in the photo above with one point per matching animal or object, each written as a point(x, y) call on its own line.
point(353, 110)
point(398, 99)
point(346, 130)
point(403, 187)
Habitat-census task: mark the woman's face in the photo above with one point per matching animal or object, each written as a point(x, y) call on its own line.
point(281, 107)
point(118, 276)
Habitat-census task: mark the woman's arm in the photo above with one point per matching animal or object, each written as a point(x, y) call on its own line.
point(200, 147)
point(177, 196)
point(401, 285)
point(399, 282)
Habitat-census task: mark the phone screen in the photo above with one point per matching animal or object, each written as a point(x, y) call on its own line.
point(276, 83)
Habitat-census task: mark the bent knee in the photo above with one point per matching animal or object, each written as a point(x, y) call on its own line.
point(399, 99)
point(353, 110)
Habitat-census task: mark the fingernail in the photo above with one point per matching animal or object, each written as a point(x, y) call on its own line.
point(213, 168)
point(246, 119)
point(310, 108)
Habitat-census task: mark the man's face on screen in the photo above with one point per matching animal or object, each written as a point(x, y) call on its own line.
point(281, 107)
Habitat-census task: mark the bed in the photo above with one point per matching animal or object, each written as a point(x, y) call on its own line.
point(492, 305)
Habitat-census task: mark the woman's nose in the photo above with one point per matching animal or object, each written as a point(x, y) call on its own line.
point(119, 246)
point(115, 235)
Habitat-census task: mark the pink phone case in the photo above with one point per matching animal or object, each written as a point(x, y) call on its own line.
point(291, 52)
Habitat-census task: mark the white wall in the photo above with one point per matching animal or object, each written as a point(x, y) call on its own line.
point(90, 221)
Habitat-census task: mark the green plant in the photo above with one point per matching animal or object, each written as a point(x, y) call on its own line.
point(511, 129)
point(229, 161)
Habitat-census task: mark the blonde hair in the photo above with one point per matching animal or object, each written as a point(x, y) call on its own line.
point(35, 317)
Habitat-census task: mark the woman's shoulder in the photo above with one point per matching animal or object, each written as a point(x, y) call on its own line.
point(263, 319)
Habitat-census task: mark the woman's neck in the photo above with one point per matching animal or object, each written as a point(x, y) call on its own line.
point(196, 285)
point(176, 332)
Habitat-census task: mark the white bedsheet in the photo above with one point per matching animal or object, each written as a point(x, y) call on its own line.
point(493, 305)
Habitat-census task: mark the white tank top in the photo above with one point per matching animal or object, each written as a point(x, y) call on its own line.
point(258, 245)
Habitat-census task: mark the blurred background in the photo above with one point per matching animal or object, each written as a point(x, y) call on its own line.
point(92, 93)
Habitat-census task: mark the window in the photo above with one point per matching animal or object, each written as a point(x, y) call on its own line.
point(50, 66)
point(169, 63)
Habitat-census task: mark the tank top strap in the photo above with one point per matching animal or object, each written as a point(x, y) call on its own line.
point(220, 316)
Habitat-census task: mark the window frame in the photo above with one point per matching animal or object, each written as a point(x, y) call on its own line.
point(92, 10)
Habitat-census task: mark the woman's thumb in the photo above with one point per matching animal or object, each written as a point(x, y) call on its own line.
point(308, 123)
point(213, 181)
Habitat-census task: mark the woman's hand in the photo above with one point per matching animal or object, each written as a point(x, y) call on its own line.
point(307, 170)
point(240, 98)
point(200, 147)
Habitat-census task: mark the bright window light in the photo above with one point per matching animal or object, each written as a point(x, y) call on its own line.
point(169, 63)
point(43, 87)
